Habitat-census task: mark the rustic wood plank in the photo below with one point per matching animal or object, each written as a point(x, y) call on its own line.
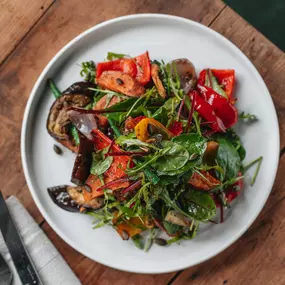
point(17, 18)
point(258, 257)
point(63, 21)
point(90, 272)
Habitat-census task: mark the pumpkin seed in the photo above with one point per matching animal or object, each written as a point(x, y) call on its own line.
point(119, 81)
point(125, 235)
point(160, 241)
point(87, 188)
point(57, 149)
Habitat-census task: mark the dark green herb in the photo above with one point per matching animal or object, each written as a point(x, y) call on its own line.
point(75, 135)
point(250, 118)
point(112, 55)
point(138, 241)
point(88, 71)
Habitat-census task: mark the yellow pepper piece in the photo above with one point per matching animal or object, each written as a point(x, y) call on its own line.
point(142, 132)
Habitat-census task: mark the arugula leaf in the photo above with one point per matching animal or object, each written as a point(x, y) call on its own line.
point(228, 158)
point(99, 164)
point(126, 141)
point(212, 82)
point(161, 116)
point(194, 143)
point(123, 106)
point(138, 241)
point(112, 55)
point(249, 118)
point(75, 135)
point(88, 71)
point(175, 158)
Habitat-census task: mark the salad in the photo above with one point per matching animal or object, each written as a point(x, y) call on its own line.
point(156, 152)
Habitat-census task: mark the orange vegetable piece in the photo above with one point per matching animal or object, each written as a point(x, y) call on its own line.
point(200, 182)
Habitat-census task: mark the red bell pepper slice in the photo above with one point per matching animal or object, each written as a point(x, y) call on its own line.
point(176, 128)
point(126, 65)
point(115, 172)
point(225, 78)
point(143, 68)
point(222, 107)
point(207, 112)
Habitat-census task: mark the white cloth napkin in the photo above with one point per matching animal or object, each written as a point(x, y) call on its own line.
point(52, 268)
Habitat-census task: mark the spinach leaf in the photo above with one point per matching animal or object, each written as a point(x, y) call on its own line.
point(127, 141)
point(194, 143)
point(100, 164)
point(161, 116)
point(228, 158)
point(198, 205)
point(123, 105)
point(171, 228)
point(175, 158)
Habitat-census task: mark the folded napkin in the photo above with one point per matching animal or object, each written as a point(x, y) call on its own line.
point(52, 268)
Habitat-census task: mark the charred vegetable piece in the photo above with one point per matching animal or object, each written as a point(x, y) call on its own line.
point(185, 69)
point(177, 218)
point(81, 168)
point(82, 88)
point(130, 86)
point(71, 198)
point(203, 181)
point(156, 80)
point(85, 123)
point(58, 122)
point(211, 153)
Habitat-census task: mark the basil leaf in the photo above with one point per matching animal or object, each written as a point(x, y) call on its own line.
point(99, 165)
point(194, 143)
point(198, 205)
point(229, 159)
point(175, 158)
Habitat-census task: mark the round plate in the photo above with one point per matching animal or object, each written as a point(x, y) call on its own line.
point(165, 37)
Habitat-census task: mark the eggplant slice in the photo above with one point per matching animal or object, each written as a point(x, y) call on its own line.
point(83, 161)
point(81, 87)
point(186, 72)
point(71, 198)
point(58, 122)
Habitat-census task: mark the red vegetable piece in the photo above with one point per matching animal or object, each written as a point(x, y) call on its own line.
point(131, 123)
point(226, 78)
point(125, 65)
point(207, 112)
point(143, 68)
point(222, 107)
point(176, 128)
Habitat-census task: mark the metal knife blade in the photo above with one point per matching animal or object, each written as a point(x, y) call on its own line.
point(5, 272)
point(18, 252)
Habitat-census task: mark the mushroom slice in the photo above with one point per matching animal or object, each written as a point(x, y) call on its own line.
point(58, 120)
point(157, 81)
point(81, 87)
point(120, 82)
point(71, 198)
point(177, 218)
point(186, 72)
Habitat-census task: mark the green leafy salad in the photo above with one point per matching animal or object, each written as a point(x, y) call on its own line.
point(156, 152)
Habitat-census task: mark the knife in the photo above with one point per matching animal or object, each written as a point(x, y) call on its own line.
point(18, 252)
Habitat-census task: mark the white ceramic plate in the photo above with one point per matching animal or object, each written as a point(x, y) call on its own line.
point(165, 37)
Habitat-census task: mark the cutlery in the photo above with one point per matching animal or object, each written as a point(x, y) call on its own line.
point(18, 252)
point(5, 272)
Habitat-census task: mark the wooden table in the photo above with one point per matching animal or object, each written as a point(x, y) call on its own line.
point(32, 32)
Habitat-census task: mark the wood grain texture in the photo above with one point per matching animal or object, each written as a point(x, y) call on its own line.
point(258, 257)
point(17, 18)
point(62, 22)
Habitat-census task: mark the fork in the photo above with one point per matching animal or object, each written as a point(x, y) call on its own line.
point(5, 272)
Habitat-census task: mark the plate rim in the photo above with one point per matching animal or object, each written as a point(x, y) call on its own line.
point(27, 114)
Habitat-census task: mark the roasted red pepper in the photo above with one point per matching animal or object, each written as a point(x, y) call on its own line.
point(126, 65)
point(176, 128)
point(207, 112)
point(222, 107)
point(224, 78)
point(138, 67)
point(143, 68)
